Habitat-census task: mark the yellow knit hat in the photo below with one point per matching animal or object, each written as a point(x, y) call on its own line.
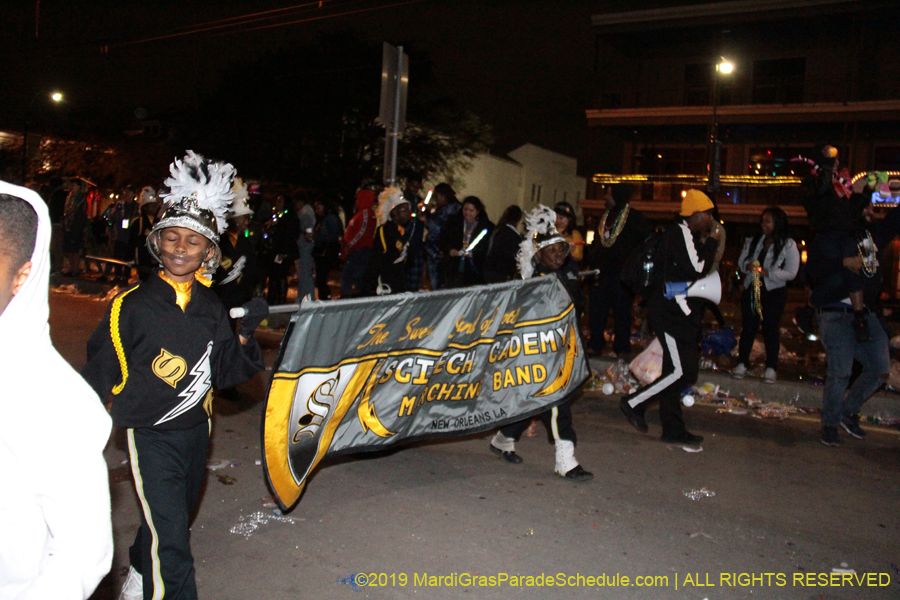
point(695, 201)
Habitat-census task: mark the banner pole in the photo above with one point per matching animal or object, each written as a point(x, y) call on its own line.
point(238, 311)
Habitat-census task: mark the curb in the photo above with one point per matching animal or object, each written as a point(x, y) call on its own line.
point(885, 405)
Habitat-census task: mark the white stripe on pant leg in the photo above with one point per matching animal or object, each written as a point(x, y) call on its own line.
point(553, 427)
point(158, 586)
point(663, 382)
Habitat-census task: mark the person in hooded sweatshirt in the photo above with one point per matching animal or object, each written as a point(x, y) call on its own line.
point(55, 526)
point(357, 245)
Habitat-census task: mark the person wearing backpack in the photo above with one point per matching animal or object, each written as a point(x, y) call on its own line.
point(621, 232)
point(677, 320)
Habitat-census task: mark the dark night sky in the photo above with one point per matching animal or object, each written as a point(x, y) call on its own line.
point(524, 66)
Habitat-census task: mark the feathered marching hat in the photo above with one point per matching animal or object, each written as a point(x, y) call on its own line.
point(147, 196)
point(388, 200)
point(540, 232)
point(199, 195)
point(239, 206)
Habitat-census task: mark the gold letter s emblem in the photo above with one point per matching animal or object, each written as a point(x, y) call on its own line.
point(169, 368)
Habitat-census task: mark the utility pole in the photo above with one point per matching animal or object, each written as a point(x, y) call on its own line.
point(392, 110)
point(723, 67)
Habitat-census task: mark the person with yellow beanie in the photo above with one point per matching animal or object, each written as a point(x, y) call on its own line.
point(677, 320)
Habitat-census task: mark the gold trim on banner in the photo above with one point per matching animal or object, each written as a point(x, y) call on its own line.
point(363, 373)
point(423, 351)
point(358, 359)
point(570, 308)
point(565, 371)
point(478, 342)
point(366, 412)
point(278, 413)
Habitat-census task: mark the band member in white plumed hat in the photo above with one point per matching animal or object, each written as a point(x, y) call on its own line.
point(544, 252)
point(198, 198)
point(159, 351)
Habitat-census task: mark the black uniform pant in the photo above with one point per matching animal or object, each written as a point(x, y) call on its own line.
point(324, 264)
point(558, 421)
point(773, 303)
point(609, 293)
point(168, 468)
point(680, 340)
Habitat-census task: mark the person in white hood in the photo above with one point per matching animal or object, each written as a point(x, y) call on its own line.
point(55, 525)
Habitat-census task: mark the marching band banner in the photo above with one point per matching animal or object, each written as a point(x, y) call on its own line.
point(361, 375)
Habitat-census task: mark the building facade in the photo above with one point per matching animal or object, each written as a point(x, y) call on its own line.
point(805, 72)
point(528, 176)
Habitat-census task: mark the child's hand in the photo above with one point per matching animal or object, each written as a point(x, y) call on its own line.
point(254, 312)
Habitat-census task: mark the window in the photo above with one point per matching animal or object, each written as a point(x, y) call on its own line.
point(610, 100)
point(698, 86)
point(887, 158)
point(779, 81)
point(674, 161)
point(776, 162)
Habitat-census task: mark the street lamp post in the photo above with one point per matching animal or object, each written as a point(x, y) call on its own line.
point(55, 97)
point(723, 67)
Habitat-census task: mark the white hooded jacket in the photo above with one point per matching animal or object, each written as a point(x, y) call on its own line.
point(55, 526)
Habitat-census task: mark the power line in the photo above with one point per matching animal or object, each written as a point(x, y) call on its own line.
point(261, 15)
point(255, 17)
point(343, 14)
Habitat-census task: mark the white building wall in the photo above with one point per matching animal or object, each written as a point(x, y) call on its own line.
point(496, 181)
point(549, 177)
point(533, 176)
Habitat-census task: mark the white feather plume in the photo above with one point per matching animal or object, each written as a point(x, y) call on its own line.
point(388, 200)
point(205, 182)
point(147, 196)
point(240, 191)
point(541, 220)
point(240, 205)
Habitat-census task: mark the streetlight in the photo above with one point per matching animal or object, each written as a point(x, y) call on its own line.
point(56, 97)
point(723, 67)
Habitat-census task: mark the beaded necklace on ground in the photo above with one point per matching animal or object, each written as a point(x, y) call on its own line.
point(608, 238)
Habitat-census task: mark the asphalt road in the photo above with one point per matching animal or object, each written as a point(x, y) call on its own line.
point(783, 511)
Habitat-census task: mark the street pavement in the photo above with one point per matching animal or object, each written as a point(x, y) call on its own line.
point(776, 514)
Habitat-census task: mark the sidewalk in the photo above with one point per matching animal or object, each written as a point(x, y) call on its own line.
point(787, 391)
point(800, 393)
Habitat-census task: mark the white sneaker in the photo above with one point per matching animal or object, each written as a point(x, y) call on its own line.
point(740, 371)
point(134, 586)
point(770, 376)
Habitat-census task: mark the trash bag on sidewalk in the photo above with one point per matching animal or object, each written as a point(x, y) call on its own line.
point(718, 341)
